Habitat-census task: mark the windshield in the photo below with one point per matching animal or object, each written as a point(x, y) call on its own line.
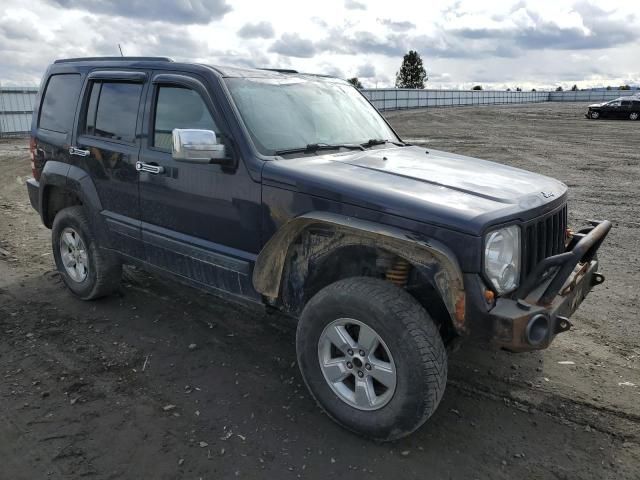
point(293, 113)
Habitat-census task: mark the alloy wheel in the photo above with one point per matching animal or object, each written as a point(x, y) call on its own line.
point(73, 253)
point(357, 364)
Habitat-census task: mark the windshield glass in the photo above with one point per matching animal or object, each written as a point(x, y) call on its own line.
point(293, 113)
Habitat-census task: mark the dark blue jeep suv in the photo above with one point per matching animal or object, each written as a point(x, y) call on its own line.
point(292, 191)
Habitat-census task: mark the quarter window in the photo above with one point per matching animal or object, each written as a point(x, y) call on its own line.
point(59, 103)
point(178, 107)
point(112, 110)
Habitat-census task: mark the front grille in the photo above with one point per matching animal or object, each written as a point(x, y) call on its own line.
point(543, 238)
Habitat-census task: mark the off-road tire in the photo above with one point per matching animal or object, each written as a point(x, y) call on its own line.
point(412, 338)
point(105, 269)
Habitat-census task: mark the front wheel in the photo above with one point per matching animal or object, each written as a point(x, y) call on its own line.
point(594, 115)
point(372, 357)
point(633, 116)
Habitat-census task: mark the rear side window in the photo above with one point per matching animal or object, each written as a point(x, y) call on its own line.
point(178, 107)
point(59, 102)
point(112, 111)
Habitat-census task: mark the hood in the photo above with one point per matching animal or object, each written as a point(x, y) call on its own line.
point(595, 105)
point(463, 193)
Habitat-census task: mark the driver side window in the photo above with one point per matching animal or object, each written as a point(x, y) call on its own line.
point(178, 107)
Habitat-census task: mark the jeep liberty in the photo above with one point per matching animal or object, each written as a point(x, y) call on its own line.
point(291, 190)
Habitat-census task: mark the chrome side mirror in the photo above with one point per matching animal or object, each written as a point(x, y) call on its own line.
point(197, 146)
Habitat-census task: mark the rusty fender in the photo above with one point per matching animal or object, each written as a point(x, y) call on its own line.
point(431, 258)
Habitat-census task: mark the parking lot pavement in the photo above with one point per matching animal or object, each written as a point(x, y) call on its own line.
point(162, 381)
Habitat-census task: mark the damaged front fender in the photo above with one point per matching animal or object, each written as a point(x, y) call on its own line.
point(433, 259)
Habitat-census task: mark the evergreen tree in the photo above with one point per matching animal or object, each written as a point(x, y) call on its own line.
point(355, 82)
point(412, 73)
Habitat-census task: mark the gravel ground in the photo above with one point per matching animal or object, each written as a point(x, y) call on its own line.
point(162, 381)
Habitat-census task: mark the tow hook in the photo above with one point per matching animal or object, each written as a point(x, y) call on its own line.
point(562, 324)
point(597, 278)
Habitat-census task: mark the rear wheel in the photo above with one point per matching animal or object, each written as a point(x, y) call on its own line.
point(88, 271)
point(594, 115)
point(634, 116)
point(371, 357)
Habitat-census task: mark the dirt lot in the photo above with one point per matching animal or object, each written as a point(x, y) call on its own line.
point(112, 389)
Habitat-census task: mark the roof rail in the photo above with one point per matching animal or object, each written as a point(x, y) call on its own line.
point(114, 59)
point(279, 70)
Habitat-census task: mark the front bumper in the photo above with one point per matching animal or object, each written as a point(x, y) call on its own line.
point(540, 308)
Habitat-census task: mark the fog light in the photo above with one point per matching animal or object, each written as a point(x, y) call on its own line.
point(537, 330)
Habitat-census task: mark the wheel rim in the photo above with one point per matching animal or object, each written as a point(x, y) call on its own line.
point(595, 114)
point(633, 116)
point(73, 253)
point(357, 364)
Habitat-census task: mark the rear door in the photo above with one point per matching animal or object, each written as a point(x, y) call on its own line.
point(199, 221)
point(625, 108)
point(108, 145)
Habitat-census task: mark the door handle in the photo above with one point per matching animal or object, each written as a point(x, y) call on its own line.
point(79, 152)
point(149, 168)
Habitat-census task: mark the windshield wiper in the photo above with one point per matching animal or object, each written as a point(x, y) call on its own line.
point(314, 147)
point(379, 141)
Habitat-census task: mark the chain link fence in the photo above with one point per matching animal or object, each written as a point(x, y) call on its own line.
point(16, 103)
point(399, 98)
point(590, 95)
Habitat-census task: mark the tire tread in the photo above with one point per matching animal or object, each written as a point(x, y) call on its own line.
point(417, 325)
point(107, 265)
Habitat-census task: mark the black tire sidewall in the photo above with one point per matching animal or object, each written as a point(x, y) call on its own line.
point(407, 409)
point(73, 217)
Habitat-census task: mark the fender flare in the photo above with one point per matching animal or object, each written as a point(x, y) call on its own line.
point(77, 181)
point(434, 259)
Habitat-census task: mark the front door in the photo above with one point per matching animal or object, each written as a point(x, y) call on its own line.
point(199, 221)
point(612, 109)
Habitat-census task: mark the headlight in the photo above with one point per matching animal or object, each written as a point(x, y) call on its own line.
point(502, 258)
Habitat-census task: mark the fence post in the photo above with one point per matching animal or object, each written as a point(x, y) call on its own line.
point(2, 114)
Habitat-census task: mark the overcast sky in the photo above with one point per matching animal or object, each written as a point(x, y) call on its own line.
point(541, 43)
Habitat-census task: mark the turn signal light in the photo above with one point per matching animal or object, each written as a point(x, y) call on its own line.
point(489, 296)
point(32, 156)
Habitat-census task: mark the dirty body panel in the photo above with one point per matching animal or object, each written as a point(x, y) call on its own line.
point(275, 226)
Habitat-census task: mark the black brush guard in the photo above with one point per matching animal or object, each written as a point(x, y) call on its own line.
point(538, 310)
point(582, 249)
